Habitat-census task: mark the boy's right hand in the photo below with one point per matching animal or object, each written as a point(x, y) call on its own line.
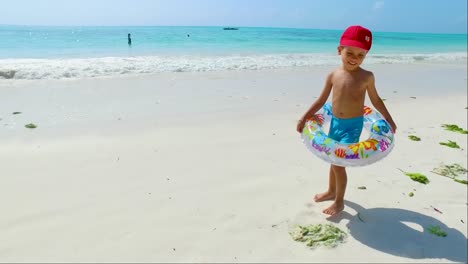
point(300, 125)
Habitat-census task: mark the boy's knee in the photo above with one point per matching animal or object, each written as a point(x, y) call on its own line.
point(338, 168)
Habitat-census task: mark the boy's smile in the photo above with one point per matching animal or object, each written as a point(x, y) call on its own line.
point(352, 57)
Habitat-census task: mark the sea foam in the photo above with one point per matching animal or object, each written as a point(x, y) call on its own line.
point(34, 69)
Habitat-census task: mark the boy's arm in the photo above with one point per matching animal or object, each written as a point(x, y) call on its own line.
point(378, 103)
point(319, 102)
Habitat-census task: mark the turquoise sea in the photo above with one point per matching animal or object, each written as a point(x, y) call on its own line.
point(33, 52)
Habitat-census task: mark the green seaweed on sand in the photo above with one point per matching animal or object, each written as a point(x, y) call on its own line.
point(436, 230)
point(31, 125)
point(416, 177)
point(318, 235)
point(450, 144)
point(452, 171)
point(454, 128)
point(461, 181)
point(16, 113)
point(414, 138)
point(411, 194)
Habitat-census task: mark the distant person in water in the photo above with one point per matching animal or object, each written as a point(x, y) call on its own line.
point(129, 40)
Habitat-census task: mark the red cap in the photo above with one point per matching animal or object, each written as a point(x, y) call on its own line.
point(357, 36)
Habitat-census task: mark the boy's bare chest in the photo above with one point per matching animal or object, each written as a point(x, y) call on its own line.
point(349, 85)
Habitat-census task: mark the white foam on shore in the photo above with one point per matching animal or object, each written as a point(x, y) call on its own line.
point(34, 69)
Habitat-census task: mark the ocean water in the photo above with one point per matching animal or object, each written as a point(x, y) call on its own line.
point(33, 52)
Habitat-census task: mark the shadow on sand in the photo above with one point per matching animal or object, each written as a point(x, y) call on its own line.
point(403, 233)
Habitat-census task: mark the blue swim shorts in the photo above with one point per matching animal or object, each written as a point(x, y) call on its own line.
point(346, 130)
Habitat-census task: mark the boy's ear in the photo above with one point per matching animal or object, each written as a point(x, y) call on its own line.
point(339, 48)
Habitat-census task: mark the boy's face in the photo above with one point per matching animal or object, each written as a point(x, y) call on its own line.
point(351, 57)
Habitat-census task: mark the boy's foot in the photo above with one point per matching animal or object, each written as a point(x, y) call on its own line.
point(334, 208)
point(324, 197)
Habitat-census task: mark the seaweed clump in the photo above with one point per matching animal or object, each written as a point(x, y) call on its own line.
point(414, 138)
point(436, 230)
point(452, 171)
point(416, 177)
point(450, 144)
point(454, 128)
point(318, 235)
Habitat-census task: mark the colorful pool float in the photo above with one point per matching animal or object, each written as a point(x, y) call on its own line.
point(379, 144)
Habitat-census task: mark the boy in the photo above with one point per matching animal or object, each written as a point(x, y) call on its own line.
point(349, 84)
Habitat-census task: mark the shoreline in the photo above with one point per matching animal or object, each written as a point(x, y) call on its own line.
point(130, 65)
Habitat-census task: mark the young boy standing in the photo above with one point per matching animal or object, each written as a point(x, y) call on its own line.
point(349, 84)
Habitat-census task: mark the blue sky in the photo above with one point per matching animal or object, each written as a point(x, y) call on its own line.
point(435, 16)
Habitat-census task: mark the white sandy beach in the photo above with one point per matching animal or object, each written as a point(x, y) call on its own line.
point(208, 167)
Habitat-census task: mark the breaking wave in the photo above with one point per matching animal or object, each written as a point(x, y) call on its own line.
point(34, 69)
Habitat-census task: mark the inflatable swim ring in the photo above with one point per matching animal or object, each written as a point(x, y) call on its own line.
point(376, 147)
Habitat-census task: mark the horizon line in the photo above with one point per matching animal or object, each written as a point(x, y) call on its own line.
point(220, 26)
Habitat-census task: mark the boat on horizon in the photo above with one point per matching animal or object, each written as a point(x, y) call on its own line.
point(230, 28)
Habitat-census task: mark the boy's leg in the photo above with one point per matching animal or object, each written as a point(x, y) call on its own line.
point(330, 193)
point(341, 180)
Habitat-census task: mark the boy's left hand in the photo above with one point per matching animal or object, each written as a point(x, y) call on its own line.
point(300, 125)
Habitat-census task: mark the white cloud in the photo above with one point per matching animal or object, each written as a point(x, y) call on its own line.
point(378, 5)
